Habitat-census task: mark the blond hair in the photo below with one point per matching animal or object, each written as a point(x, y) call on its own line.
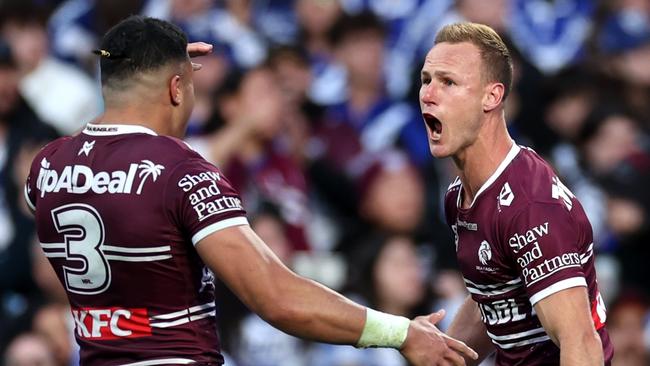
point(497, 62)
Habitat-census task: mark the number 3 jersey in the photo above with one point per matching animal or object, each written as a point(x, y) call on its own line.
point(524, 237)
point(118, 211)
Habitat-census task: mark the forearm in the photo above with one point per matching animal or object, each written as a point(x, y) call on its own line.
point(226, 142)
point(310, 310)
point(468, 327)
point(581, 350)
point(294, 304)
point(571, 329)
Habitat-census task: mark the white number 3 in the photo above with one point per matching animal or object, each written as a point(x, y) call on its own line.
point(83, 232)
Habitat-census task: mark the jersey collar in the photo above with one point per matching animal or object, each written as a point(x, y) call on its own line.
point(514, 150)
point(115, 129)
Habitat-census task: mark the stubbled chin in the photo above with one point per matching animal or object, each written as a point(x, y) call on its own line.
point(438, 150)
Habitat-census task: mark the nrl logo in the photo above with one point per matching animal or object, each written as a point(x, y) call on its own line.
point(484, 252)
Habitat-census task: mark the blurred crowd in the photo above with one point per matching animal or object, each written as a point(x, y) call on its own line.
point(310, 108)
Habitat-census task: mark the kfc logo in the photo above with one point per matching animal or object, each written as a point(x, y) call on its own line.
point(111, 323)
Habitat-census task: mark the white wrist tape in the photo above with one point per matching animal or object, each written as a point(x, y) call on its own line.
point(383, 330)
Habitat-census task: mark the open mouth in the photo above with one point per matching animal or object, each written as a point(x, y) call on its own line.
point(434, 125)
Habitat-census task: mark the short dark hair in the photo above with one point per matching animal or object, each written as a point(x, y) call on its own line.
point(348, 25)
point(495, 55)
point(139, 44)
point(23, 13)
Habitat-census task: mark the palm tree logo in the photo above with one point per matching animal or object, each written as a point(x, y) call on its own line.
point(149, 168)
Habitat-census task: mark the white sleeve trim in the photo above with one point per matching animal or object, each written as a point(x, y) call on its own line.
point(28, 200)
point(557, 287)
point(235, 221)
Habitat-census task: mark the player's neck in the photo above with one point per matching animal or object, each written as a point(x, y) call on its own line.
point(136, 115)
point(478, 162)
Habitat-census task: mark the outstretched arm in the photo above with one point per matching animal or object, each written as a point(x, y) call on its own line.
point(566, 317)
point(307, 309)
point(468, 327)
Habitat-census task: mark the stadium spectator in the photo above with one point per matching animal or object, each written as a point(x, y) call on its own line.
point(21, 135)
point(76, 27)
point(392, 197)
point(618, 150)
point(387, 272)
point(53, 323)
point(291, 68)
point(258, 343)
point(367, 120)
point(250, 117)
point(628, 315)
point(60, 94)
point(315, 20)
point(29, 350)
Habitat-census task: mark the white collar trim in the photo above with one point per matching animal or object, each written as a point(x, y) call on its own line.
point(514, 150)
point(115, 129)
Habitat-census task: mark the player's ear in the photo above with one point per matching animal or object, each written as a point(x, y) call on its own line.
point(175, 90)
point(494, 93)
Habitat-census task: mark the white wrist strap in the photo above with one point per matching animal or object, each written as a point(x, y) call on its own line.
point(383, 330)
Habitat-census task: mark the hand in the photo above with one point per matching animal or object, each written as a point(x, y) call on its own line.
point(426, 345)
point(196, 49)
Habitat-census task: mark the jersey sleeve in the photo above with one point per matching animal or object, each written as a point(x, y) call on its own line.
point(544, 240)
point(201, 201)
point(30, 189)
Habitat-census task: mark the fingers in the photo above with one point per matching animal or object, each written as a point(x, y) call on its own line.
point(195, 49)
point(460, 347)
point(454, 358)
point(196, 67)
point(437, 316)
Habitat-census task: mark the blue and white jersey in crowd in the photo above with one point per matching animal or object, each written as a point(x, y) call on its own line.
point(73, 31)
point(260, 344)
point(624, 30)
point(385, 124)
point(331, 355)
point(241, 44)
point(275, 20)
point(551, 34)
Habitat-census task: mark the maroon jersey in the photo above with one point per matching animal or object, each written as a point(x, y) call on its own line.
point(118, 212)
point(524, 237)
